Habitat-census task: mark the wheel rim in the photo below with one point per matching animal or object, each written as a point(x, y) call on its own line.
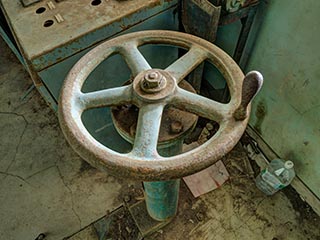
point(143, 162)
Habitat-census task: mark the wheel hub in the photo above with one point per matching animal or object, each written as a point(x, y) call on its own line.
point(153, 85)
point(175, 124)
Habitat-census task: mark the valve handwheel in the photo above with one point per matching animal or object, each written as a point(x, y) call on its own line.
point(151, 90)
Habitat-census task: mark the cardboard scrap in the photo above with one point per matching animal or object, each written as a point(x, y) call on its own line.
point(208, 179)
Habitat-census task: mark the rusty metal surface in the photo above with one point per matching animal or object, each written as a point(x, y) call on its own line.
point(49, 31)
point(245, 30)
point(199, 18)
point(175, 123)
point(252, 84)
point(27, 3)
point(144, 162)
point(235, 16)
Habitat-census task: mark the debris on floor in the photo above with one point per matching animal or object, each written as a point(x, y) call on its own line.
point(118, 225)
point(47, 189)
point(235, 211)
point(238, 210)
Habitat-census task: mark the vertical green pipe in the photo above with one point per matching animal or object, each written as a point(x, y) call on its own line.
point(162, 197)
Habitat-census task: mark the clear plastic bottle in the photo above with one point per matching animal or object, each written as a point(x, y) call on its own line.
point(276, 176)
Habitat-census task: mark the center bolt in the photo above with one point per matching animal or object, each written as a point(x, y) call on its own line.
point(153, 82)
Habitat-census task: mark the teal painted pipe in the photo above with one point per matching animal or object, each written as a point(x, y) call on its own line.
point(162, 197)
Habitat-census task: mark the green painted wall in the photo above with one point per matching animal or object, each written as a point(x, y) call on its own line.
point(287, 111)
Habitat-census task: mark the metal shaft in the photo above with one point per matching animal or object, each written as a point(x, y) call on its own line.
point(162, 197)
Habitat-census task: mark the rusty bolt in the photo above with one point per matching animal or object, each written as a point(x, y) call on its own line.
point(176, 127)
point(153, 82)
point(153, 75)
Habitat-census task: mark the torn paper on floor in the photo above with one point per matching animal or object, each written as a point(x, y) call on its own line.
point(207, 179)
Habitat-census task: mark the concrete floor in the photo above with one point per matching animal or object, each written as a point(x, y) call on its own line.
point(47, 188)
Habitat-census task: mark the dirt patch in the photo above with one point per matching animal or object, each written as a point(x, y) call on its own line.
point(121, 226)
point(260, 114)
point(306, 213)
point(130, 193)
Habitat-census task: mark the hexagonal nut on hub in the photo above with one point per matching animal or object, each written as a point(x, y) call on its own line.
point(153, 82)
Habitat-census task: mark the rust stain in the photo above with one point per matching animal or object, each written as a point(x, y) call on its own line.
point(260, 113)
point(125, 27)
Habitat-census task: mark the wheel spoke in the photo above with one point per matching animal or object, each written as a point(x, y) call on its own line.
point(106, 97)
point(134, 58)
point(147, 132)
point(185, 64)
point(201, 106)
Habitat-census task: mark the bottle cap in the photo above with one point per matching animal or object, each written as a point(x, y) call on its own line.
point(288, 164)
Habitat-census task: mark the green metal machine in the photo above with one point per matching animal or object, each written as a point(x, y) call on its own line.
point(49, 37)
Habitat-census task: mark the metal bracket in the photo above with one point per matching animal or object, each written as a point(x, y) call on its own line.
point(200, 18)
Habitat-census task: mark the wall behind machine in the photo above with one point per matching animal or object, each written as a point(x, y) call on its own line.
point(287, 111)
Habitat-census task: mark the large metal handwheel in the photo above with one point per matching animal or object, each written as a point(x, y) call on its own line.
point(151, 90)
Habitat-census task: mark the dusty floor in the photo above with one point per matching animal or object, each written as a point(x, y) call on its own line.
point(46, 188)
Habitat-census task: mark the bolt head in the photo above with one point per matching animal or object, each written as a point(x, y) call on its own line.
point(153, 81)
point(152, 75)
